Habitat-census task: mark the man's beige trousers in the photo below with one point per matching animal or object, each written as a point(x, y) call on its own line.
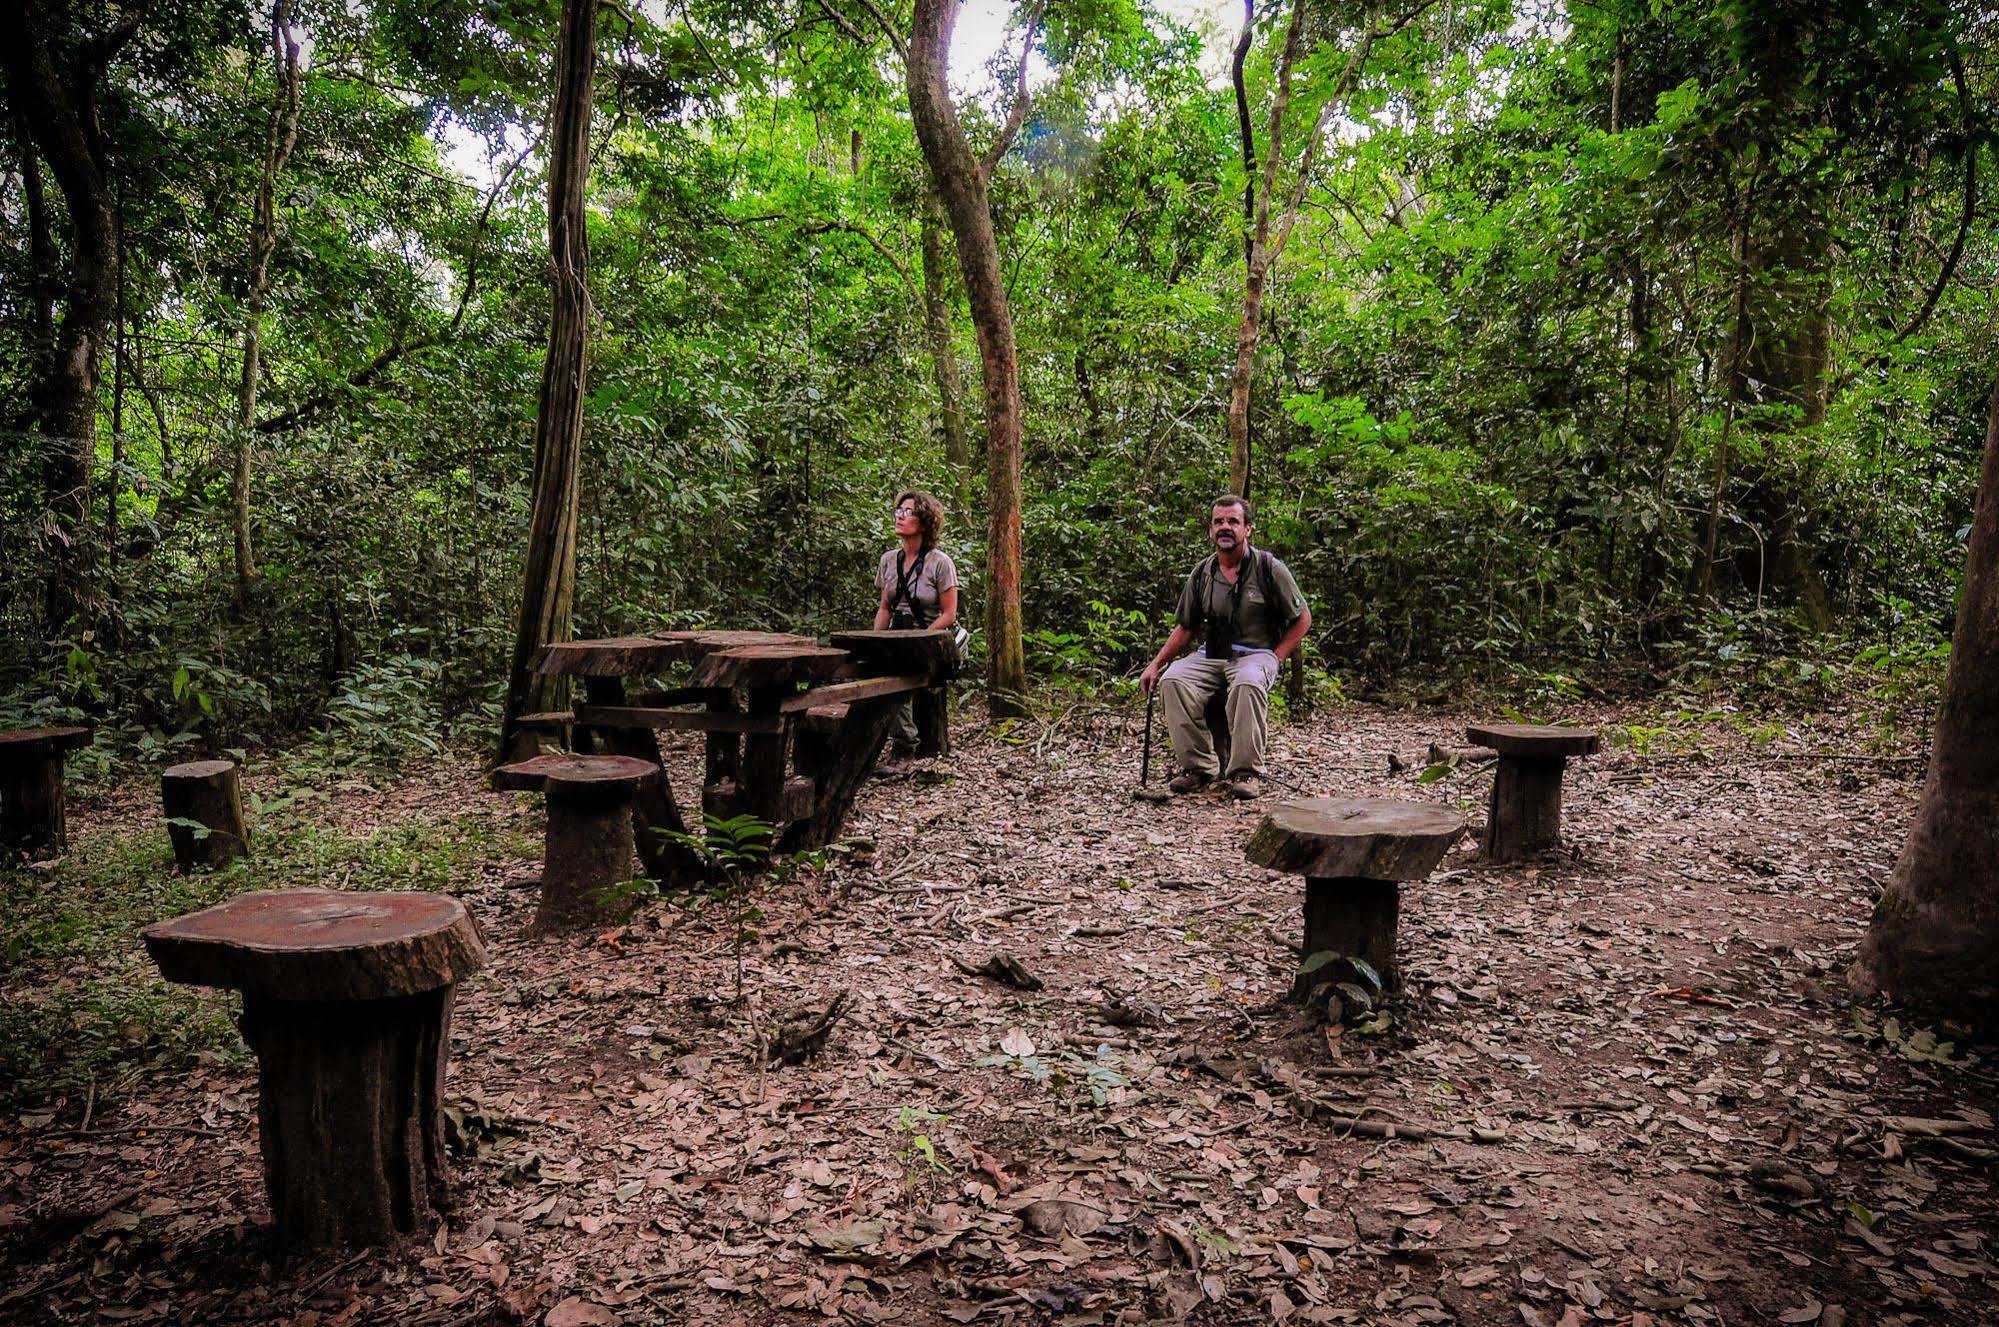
point(1188, 684)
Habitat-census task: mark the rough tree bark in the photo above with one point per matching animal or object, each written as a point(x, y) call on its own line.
point(53, 74)
point(961, 178)
point(548, 597)
point(1934, 940)
point(1265, 239)
point(280, 135)
point(937, 324)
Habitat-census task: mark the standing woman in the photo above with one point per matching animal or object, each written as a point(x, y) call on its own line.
point(919, 589)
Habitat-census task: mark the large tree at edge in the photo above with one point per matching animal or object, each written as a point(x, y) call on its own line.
point(1934, 941)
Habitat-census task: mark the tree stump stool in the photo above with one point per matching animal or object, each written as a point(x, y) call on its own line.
point(205, 795)
point(589, 844)
point(1352, 853)
point(1525, 816)
point(32, 817)
point(347, 1003)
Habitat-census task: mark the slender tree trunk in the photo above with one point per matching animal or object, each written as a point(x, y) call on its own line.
point(937, 324)
point(1266, 239)
point(1738, 332)
point(548, 596)
point(41, 255)
point(1934, 940)
point(280, 135)
point(53, 84)
point(117, 391)
point(961, 181)
point(1246, 129)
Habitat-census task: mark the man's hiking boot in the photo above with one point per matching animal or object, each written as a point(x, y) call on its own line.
point(1189, 781)
point(1245, 787)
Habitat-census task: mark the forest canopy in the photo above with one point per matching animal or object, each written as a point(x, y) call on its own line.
point(1634, 335)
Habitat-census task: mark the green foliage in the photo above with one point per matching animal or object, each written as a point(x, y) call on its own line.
point(86, 1005)
point(1505, 401)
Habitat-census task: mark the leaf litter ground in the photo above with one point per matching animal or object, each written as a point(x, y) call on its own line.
point(1624, 1085)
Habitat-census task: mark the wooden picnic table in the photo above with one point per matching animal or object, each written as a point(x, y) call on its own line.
point(792, 727)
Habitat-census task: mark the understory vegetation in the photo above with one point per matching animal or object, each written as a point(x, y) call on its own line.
point(1626, 347)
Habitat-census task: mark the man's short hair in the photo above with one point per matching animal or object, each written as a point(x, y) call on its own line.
point(1233, 500)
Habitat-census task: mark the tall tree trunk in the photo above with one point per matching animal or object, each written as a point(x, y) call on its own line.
point(548, 595)
point(1245, 129)
point(53, 75)
point(280, 135)
point(1934, 940)
point(960, 178)
point(937, 325)
point(1784, 359)
point(42, 260)
point(117, 388)
point(1266, 239)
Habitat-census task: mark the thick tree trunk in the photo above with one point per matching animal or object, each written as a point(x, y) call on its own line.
point(937, 325)
point(961, 182)
point(1934, 941)
point(280, 134)
point(52, 79)
point(548, 597)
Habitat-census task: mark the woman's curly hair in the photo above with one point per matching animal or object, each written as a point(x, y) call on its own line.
point(929, 514)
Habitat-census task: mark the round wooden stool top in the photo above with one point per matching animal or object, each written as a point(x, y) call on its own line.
point(25, 745)
point(1528, 741)
point(198, 769)
point(1364, 838)
point(320, 944)
point(610, 773)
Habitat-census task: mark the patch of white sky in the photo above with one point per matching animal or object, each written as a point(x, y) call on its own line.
point(986, 43)
point(986, 31)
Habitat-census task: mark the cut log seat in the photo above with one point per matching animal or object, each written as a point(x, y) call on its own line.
point(1353, 852)
point(347, 1004)
point(203, 800)
point(34, 817)
point(1525, 817)
point(589, 843)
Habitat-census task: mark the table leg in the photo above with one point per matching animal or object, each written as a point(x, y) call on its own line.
point(849, 758)
point(32, 820)
point(1525, 814)
point(1353, 918)
point(348, 1115)
point(763, 760)
point(655, 814)
point(722, 776)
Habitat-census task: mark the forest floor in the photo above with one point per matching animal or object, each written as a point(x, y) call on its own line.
point(1640, 1093)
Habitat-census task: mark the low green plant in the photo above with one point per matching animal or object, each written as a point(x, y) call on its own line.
point(918, 1152)
point(1098, 1076)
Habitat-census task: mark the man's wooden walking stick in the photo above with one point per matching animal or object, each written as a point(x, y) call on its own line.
point(1144, 792)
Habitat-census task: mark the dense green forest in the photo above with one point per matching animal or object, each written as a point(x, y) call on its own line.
point(1638, 336)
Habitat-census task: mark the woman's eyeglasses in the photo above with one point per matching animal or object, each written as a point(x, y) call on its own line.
point(905, 510)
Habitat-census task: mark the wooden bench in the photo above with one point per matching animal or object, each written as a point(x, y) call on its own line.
point(33, 816)
point(347, 1003)
point(1353, 852)
point(203, 801)
point(1525, 815)
point(589, 843)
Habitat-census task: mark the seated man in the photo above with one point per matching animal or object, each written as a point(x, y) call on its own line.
point(1247, 606)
